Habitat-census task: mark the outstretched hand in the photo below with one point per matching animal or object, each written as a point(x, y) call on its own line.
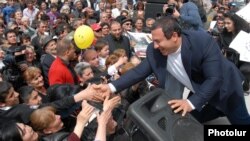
point(86, 112)
point(180, 105)
point(111, 103)
point(102, 89)
point(92, 94)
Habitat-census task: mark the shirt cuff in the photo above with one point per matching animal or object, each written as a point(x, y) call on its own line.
point(192, 106)
point(112, 88)
point(112, 70)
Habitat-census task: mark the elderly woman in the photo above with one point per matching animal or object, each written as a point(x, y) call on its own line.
point(84, 72)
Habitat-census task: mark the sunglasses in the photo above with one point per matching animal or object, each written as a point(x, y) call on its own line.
point(99, 30)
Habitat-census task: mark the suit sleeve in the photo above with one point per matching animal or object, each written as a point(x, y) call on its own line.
point(211, 69)
point(133, 76)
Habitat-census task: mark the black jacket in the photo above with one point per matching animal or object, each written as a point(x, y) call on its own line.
point(123, 43)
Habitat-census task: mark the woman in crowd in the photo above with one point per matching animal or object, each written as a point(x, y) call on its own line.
point(10, 130)
point(46, 122)
point(33, 77)
point(233, 25)
point(84, 72)
point(105, 29)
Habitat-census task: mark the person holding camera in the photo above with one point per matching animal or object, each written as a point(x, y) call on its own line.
point(187, 13)
point(14, 58)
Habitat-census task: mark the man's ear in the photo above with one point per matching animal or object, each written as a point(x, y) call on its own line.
point(2, 104)
point(175, 36)
point(66, 52)
point(80, 78)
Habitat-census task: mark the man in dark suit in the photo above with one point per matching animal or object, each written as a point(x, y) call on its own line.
point(191, 59)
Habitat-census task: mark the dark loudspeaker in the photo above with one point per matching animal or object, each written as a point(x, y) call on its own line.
point(153, 10)
point(155, 119)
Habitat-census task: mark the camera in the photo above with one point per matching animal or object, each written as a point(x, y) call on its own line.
point(10, 55)
point(170, 9)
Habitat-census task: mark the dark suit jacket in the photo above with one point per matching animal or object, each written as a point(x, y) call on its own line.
point(214, 79)
point(46, 61)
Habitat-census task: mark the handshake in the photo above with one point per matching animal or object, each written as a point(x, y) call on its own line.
point(96, 93)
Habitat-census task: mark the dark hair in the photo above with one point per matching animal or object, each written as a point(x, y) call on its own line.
point(104, 24)
point(59, 91)
point(169, 25)
point(100, 44)
point(53, 5)
point(25, 93)
point(45, 17)
point(139, 3)
point(9, 130)
point(2, 25)
point(59, 30)
point(239, 23)
point(9, 31)
point(4, 90)
point(25, 37)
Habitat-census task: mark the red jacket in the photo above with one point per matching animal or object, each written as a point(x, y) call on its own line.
point(59, 73)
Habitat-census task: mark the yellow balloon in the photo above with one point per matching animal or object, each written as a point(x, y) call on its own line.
point(83, 37)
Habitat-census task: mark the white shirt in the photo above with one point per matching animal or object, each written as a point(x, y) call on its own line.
point(176, 68)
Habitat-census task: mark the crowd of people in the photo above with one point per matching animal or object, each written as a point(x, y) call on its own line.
point(52, 90)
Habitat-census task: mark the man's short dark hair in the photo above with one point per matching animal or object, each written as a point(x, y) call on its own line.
point(169, 25)
point(25, 93)
point(9, 31)
point(4, 90)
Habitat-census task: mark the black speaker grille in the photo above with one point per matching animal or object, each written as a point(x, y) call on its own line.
point(186, 129)
point(163, 123)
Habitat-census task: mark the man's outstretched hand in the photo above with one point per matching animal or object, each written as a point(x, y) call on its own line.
point(180, 105)
point(102, 89)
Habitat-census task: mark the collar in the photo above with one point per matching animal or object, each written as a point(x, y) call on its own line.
point(114, 38)
point(178, 51)
point(6, 108)
point(64, 61)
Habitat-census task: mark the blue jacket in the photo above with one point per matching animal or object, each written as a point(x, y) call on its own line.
point(190, 17)
point(7, 11)
point(215, 80)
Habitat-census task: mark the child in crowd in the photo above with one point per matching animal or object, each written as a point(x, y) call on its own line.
point(115, 61)
point(102, 49)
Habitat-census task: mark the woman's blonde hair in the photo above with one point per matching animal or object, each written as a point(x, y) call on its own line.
point(42, 118)
point(31, 73)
